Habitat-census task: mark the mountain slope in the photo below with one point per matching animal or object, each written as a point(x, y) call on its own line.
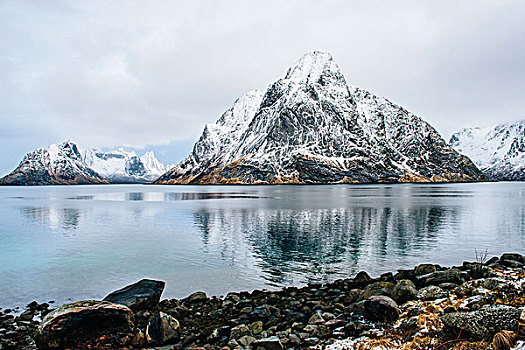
point(498, 151)
point(56, 165)
point(310, 127)
point(65, 164)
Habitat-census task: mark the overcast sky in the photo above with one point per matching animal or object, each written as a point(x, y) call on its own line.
point(152, 73)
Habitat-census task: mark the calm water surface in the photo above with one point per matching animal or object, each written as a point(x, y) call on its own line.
point(77, 242)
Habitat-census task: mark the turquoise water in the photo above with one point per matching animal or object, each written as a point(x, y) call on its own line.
point(76, 242)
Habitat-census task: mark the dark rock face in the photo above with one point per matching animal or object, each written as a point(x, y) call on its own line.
point(87, 325)
point(144, 294)
point(134, 166)
point(311, 127)
point(486, 322)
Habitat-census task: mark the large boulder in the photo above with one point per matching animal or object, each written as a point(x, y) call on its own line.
point(197, 297)
point(378, 288)
point(381, 308)
point(362, 278)
point(513, 257)
point(513, 260)
point(87, 325)
point(143, 295)
point(451, 275)
point(485, 322)
point(404, 291)
point(431, 293)
point(424, 269)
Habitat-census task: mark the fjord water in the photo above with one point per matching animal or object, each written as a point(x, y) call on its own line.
point(77, 242)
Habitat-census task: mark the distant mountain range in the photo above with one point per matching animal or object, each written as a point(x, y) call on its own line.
point(120, 166)
point(66, 164)
point(311, 127)
point(498, 151)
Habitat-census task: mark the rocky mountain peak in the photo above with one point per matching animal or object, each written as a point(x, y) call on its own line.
point(311, 67)
point(310, 127)
point(68, 148)
point(315, 77)
point(148, 156)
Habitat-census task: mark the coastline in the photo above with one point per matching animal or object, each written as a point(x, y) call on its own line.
point(428, 306)
point(429, 183)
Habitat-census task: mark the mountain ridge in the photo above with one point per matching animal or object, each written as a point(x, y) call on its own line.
point(66, 164)
point(499, 151)
point(311, 127)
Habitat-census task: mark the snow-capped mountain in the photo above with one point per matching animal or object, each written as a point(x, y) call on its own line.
point(498, 151)
point(121, 166)
point(65, 164)
point(56, 165)
point(310, 127)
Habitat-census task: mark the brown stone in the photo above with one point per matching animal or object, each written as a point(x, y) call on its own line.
point(87, 325)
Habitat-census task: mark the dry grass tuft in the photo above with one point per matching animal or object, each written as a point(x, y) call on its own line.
point(419, 343)
point(503, 340)
point(376, 344)
point(480, 345)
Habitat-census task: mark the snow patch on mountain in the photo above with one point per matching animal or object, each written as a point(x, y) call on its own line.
point(498, 151)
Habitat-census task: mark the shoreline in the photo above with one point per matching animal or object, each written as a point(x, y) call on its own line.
point(428, 306)
point(272, 184)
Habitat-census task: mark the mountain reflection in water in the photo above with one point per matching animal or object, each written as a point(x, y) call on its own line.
point(67, 219)
point(322, 243)
point(165, 197)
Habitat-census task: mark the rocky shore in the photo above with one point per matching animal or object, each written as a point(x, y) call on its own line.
point(478, 305)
